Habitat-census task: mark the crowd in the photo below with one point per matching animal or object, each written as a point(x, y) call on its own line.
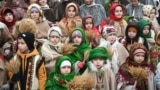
point(80, 45)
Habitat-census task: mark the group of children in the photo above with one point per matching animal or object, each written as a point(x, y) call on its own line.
point(116, 55)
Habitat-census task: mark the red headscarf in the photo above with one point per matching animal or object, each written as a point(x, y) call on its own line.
point(112, 9)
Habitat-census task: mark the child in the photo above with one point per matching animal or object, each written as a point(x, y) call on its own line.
point(116, 19)
point(78, 38)
point(51, 48)
point(36, 13)
point(132, 35)
point(136, 72)
point(32, 73)
point(99, 71)
point(146, 33)
point(154, 52)
point(8, 18)
point(118, 58)
point(71, 19)
point(88, 25)
point(62, 74)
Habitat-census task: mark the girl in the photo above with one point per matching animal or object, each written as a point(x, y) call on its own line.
point(146, 33)
point(118, 58)
point(88, 25)
point(116, 19)
point(70, 20)
point(78, 38)
point(36, 13)
point(51, 48)
point(99, 70)
point(136, 73)
point(131, 35)
point(62, 74)
point(8, 18)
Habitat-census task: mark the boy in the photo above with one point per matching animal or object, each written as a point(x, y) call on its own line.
point(32, 73)
point(99, 70)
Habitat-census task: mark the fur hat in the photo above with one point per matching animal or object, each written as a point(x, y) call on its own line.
point(147, 10)
point(25, 25)
point(108, 30)
point(99, 52)
point(28, 38)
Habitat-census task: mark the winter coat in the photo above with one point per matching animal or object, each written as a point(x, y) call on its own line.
point(104, 77)
point(32, 71)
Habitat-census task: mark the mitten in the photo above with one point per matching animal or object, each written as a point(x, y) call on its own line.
point(81, 64)
point(15, 77)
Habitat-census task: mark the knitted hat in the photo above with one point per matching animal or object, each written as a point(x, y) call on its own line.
point(56, 29)
point(132, 28)
point(99, 52)
point(34, 9)
point(8, 11)
point(108, 30)
point(147, 9)
point(63, 60)
point(76, 33)
point(28, 38)
point(65, 63)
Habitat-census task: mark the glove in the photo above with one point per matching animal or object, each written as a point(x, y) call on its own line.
point(15, 77)
point(81, 65)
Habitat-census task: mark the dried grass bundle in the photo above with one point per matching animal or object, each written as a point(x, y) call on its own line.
point(13, 66)
point(84, 82)
point(86, 55)
point(67, 49)
point(110, 52)
point(90, 35)
point(138, 72)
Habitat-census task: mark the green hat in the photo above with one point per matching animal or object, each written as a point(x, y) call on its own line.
point(99, 52)
point(142, 23)
point(127, 18)
point(59, 62)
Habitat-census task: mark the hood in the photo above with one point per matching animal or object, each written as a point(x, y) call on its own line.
point(40, 11)
point(74, 5)
point(142, 23)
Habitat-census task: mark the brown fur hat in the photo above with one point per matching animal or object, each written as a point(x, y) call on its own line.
point(25, 25)
point(84, 82)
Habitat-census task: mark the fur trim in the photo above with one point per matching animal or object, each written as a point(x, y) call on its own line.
point(84, 82)
point(25, 25)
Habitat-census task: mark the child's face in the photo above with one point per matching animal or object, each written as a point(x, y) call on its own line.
point(132, 34)
point(22, 46)
point(98, 62)
point(118, 12)
point(54, 39)
point(146, 30)
point(77, 40)
point(139, 57)
point(88, 23)
point(71, 12)
point(32, 1)
point(42, 2)
point(9, 17)
point(65, 70)
point(111, 38)
point(35, 15)
point(153, 13)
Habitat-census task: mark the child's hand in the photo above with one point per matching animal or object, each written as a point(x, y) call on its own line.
point(81, 65)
